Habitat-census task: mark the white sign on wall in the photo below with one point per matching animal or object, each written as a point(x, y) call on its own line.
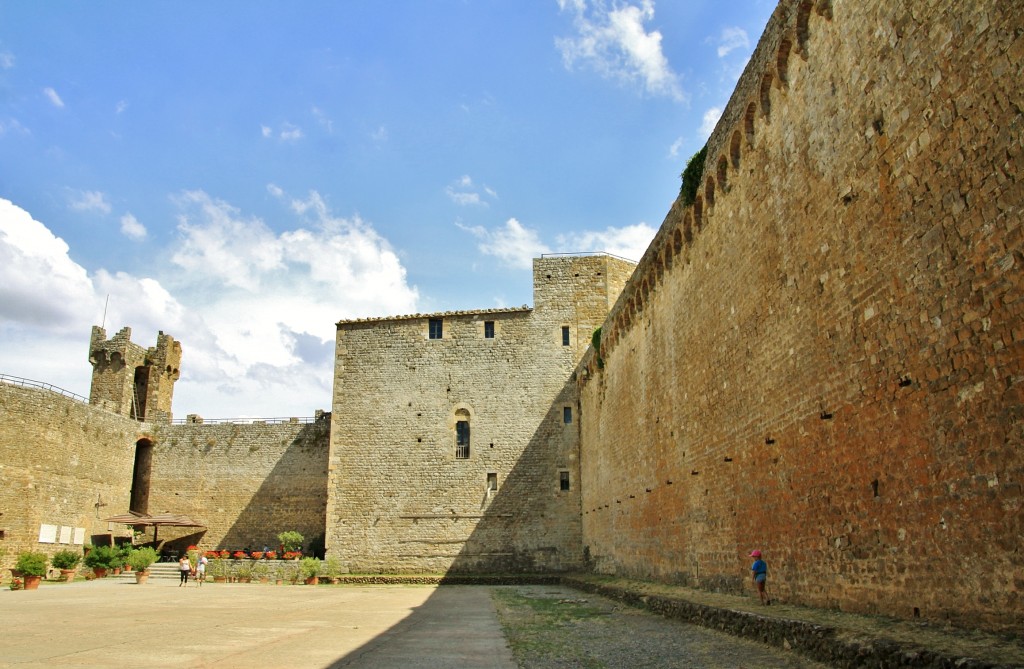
point(65, 535)
point(47, 534)
point(79, 537)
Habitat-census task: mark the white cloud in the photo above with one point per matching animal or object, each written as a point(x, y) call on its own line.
point(465, 193)
point(6, 60)
point(616, 44)
point(628, 242)
point(288, 132)
point(121, 106)
point(323, 120)
point(52, 96)
point(131, 228)
point(220, 246)
point(39, 283)
point(90, 200)
point(255, 317)
point(673, 151)
point(514, 245)
point(12, 125)
point(709, 122)
point(380, 134)
point(732, 38)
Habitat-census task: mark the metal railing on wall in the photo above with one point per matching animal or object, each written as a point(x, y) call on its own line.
point(29, 383)
point(244, 421)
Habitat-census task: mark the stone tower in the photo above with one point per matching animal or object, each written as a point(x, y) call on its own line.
point(130, 380)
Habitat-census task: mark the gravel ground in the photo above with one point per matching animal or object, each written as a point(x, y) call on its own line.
point(554, 627)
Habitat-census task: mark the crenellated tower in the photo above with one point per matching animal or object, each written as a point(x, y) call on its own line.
point(130, 380)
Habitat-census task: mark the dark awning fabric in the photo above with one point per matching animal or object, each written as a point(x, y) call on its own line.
point(160, 519)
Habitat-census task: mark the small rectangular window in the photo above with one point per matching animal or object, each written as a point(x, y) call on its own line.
point(565, 335)
point(563, 480)
point(492, 481)
point(436, 328)
point(566, 415)
point(488, 329)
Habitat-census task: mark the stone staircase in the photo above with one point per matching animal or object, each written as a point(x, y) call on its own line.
point(158, 570)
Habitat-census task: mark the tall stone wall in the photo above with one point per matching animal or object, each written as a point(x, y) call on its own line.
point(245, 482)
point(401, 498)
point(63, 463)
point(823, 356)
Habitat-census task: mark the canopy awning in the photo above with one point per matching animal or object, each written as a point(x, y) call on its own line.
point(156, 521)
point(173, 519)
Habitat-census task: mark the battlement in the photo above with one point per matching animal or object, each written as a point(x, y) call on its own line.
point(130, 380)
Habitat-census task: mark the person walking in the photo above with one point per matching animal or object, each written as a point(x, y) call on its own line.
point(760, 575)
point(201, 569)
point(185, 568)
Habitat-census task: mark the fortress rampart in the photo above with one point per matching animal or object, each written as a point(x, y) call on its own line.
point(823, 356)
point(63, 463)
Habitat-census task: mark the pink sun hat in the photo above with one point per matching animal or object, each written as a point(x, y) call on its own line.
point(755, 553)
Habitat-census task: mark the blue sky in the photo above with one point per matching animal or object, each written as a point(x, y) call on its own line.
point(242, 175)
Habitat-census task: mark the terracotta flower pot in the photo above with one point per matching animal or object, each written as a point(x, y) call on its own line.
point(32, 582)
point(141, 576)
point(101, 572)
point(313, 580)
point(68, 574)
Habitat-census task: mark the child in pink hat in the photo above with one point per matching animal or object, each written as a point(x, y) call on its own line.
point(760, 571)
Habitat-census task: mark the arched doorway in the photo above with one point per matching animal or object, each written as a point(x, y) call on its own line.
point(140, 476)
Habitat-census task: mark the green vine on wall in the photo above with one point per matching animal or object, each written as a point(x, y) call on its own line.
point(691, 176)
point(595, 341)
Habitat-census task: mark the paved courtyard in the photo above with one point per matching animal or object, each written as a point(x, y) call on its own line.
point(115, 623)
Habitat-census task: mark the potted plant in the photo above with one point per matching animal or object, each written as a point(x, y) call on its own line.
point(140, 560)
point(310, 568)
point(261, 572)
point(332, 569)
point(100, 559)
point(32, 567)
point(291, 541)
point(219, 569)
point(67, 561)
point(123, 551)
point(244, 573)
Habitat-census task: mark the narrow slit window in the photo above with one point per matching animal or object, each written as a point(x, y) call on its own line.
point(492, 481)
point(566, 415)
point(563, 480)
point(436, 328)
point(488, 329)
point(462, 439)
point(565, 335)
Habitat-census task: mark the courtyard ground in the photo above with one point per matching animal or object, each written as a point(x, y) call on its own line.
point(113, 622)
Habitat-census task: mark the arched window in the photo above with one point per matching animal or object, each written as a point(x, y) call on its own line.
point(461, 434)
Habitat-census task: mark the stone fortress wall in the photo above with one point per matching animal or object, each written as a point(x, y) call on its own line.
point(63, 463)
point(401, 496)
point(245, 482)
point(69, 464)
point(823, 356)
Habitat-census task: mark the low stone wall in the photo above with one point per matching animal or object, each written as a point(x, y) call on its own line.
point(818, 642)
